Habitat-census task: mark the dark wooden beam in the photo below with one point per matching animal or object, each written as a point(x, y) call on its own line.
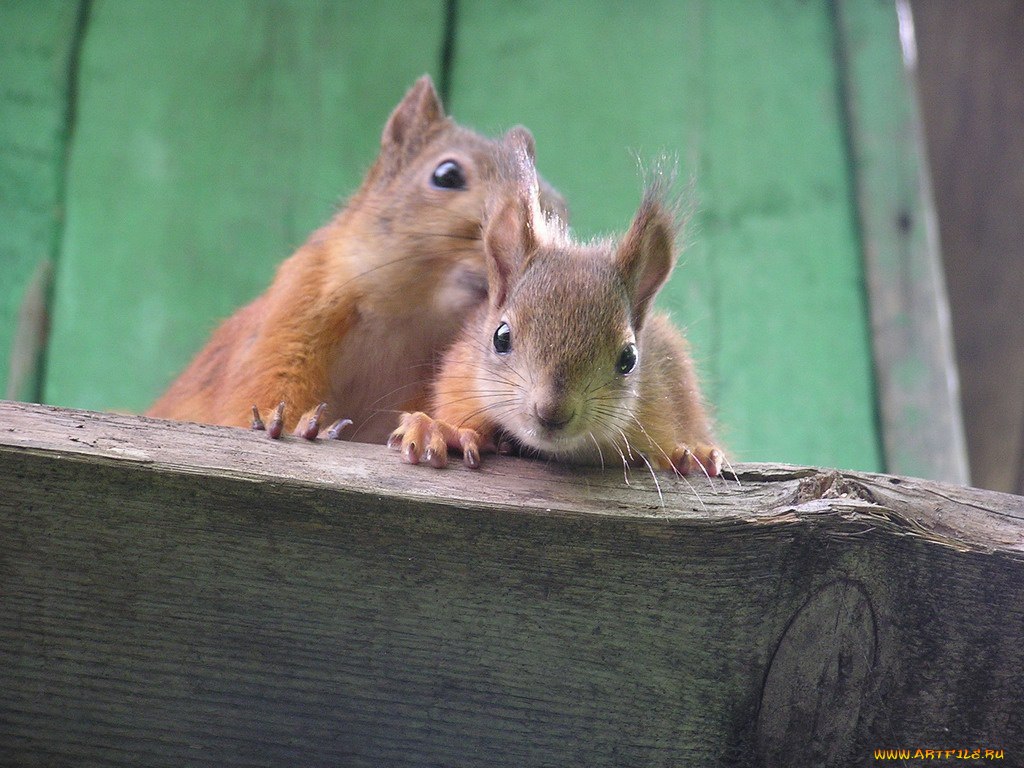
point(177, 594)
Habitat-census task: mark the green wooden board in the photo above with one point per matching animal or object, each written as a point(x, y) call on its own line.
point(747, 96)
point(918, 390)
point(212, 138)
point(37, 45)
point(199, 166)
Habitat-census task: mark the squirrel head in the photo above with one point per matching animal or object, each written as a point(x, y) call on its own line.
point(563, 335)
point(416, 219)
point(421, 144)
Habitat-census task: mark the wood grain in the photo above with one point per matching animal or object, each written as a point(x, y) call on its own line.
point(911, 331)
point(181, 594)
point(971, 74)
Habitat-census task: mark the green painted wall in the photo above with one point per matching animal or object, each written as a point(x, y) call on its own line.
point(746, 96)
point(37, 44)
point(211, 137)
point(198, 166)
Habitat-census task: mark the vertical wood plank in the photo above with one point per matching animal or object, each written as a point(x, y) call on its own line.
point(38, 42)
point(770, 289)
point(212, 138)
point(918, 386)
point(970, 74)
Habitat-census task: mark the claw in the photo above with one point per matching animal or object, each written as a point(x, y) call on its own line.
point(276, 423)
point(257, 422)
point(334, 431)
point(411, 453)
point(682, 459)
point(434, 458)
point(312, 428)
point(468, 441)
point(714, 463)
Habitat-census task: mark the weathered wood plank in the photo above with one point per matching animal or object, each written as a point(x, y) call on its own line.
point(915, 366)
point(200, 165)
point(971, 67)
point(746, 95)
point(38, 44)
point(181, 594)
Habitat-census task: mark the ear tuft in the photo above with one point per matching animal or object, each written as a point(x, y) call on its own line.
point(411, 121)
point(520, 137)
point(647, 254)
point(508, 241)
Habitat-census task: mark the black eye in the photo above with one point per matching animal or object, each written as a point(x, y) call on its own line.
point(503, 339)
point(627, 359)
point(448, 175)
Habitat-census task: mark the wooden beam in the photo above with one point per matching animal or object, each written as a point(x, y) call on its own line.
point(971, 66)
point(915, 365)
point(178, 594)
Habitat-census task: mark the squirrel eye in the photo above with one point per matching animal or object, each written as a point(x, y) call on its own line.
point(627, 359)
point(448, 175)
point(503, 339)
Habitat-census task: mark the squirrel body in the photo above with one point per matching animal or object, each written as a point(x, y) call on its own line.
point(567, 360)
point(357, 318)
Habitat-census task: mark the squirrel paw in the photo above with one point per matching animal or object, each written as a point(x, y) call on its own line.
point(308, 427)
point(702, 458)
point(420, 437)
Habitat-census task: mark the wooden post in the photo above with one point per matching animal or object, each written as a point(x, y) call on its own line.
point(176, 594)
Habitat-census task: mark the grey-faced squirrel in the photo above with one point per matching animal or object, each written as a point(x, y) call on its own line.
point(567, 359)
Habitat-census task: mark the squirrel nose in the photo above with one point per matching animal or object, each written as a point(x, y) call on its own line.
point(553, 415)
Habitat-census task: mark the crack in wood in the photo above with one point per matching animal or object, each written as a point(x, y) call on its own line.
point(832, 485)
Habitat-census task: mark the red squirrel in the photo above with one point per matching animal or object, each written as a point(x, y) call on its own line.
point(355, 320)
point(566, 359)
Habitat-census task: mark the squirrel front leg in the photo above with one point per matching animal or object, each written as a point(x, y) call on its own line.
point(292, 367)
point(420, 437)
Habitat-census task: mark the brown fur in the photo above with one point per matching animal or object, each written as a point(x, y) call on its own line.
point(359, 315)
point(573, 311)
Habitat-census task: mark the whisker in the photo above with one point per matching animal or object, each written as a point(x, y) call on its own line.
point(656, 483)
point(703, 469)
point(625, 442)
point(600, 453)
point(489, 409)
point(625, 464)
point(668, 459)
point(696, 495)
point(728, 464)
point(485, 348)
point(440, 235)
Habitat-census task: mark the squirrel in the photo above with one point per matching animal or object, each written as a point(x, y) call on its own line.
point(354, 321)
point(567, 360)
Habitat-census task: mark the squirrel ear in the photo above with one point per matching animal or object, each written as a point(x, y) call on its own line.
point(646, 255)
point(410, 122)
point(551, 202)
point(508, 240)
point(519, 136)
